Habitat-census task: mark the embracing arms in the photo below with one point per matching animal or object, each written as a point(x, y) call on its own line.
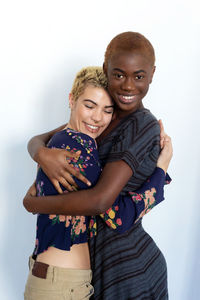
point(97, 199)
point(92, 201)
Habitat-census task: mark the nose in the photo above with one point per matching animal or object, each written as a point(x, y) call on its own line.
point(128, 84)
point(97, 115)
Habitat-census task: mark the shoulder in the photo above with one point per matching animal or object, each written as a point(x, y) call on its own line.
point(141, 124)
point(143, 120)
point(69, 138)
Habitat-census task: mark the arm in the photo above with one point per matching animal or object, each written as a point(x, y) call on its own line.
point(128, 209)
point(38, 142)
point(95, 200)
point(53, 161)
point(92, 201)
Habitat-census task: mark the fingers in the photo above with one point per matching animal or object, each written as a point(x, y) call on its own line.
point(161, 126)
point(73, 155)
point(57, 186)
point(68, 186)
point(168, 145)
point(162, 133)
point(78, 175)
point(166, 154)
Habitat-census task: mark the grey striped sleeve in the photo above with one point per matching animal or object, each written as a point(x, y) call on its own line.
point(139, 147)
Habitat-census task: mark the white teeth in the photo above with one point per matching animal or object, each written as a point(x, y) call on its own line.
point(128, 97)
point(92, 127)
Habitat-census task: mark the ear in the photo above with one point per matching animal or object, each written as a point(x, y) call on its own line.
point(71, 101)
point(153, 71)
point(104, 69)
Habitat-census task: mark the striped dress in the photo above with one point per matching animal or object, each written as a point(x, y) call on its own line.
point(129, 265)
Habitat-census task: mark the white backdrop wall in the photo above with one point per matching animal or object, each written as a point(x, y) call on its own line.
point(43, 44)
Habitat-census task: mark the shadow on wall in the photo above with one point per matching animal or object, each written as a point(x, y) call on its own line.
point(193, 265)
point(19, 228)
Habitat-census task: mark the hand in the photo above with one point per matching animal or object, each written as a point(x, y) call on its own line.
point(165, 154)
point(162, 134)
point(58, 169)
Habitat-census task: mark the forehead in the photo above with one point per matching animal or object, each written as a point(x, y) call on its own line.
point(130, 60)
point(97, 94)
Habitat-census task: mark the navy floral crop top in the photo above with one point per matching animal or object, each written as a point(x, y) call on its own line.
point(63, 231)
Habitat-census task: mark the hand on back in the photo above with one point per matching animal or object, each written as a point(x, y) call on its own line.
point(55, 165)
point(166, 149)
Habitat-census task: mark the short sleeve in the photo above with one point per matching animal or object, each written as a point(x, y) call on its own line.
point(143, 152)
point(137, 142)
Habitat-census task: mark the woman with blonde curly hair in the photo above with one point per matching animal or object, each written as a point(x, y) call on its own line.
point(61, 241)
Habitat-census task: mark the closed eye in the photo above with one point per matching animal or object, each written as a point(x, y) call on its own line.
point(108, 111)
point(88, 106)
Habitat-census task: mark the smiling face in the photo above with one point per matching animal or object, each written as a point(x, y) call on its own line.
point(91, 113)
point(129, 75)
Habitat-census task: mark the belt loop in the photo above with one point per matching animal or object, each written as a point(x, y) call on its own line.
point(29, 263)
point(54, 277)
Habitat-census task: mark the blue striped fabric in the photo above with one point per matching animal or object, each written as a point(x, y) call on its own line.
point(129, 265)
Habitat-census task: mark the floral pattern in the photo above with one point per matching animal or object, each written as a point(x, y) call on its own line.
point(148, 198)
point(110, 217)
point(92, 229)
point(39, 187)
point(63, 231)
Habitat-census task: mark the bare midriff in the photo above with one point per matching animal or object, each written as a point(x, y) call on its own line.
point(77, 258)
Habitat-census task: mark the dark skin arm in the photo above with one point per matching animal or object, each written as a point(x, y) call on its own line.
point(60, 170)
point(53, 161)
point(85, 202)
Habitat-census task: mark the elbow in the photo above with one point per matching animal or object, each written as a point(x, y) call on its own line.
point(26, 205)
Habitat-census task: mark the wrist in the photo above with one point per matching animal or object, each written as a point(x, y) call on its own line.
point(163, 167)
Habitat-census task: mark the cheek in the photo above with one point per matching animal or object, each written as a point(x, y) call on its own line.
point(108, 120)
point(82, 113)
point(112, 84)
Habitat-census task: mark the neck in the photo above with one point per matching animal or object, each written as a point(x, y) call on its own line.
point(120, 114)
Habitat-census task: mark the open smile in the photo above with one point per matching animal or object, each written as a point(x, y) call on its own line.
point(92, 128)
point(127, 98)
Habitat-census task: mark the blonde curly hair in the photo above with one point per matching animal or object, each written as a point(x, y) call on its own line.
point(93, 76)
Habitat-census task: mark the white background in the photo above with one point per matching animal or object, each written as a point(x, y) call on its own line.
point(43, 44)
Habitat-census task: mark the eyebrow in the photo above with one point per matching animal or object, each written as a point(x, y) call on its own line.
point(136, 72)
point(89, 100)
